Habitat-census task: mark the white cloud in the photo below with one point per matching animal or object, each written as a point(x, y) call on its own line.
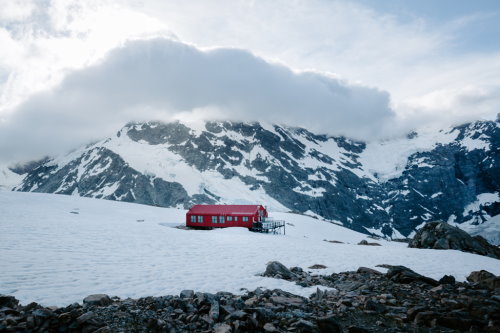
point(409, 57)
point(43, 42)
point(62, 36)
point(159, 78)
point(452, 106)
point(16, 10)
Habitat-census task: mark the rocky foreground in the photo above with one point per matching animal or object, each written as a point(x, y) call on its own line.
point(362, 301)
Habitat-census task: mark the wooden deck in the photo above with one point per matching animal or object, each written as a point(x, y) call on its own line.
point(269, 226)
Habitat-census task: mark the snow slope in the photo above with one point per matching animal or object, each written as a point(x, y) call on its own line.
point(57, 249)
point(9, 179)
point(396, 152)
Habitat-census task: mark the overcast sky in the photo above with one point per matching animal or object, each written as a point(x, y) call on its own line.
point(75, 71)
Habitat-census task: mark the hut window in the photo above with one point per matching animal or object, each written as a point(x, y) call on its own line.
point(200, 219)
point(214, 219)
point(245, 218)
point(236, 218)
point(193, 218)
point(221, 219)
point(229, 218)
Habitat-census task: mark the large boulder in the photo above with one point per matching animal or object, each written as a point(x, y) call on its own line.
point(402, 274)
point(98, 300)
point(277, 269)
point(442, 236)
point(484, 279)
point(8, 301)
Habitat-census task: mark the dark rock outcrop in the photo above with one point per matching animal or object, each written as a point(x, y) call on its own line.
point(442, 236)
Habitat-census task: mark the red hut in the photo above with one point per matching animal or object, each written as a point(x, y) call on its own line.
point(222, 216)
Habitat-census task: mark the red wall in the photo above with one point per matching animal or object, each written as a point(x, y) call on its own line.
point(207, 220)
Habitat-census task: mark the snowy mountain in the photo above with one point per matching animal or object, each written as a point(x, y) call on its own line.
point(58, 249)
point(385, 188)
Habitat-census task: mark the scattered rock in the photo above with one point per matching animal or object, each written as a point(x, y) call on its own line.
point(290, 301)
point(478, 276)
point(412, 313)
point(403, 274)
point(351, 302)
point(328, 325)
point(187, 294)
point(268, 327)
point(8, 301)
point(222, 328)
point(305, 326)
point(214, 311)
point(425, 318)
point(85, 317)
point(275, 268)
point(42, 313)
point(447, 279)
point(365, 242)
point(455, 323)
point(366, 270)
point(356, 329)
point(375, 306)
point(317, 266)
point(485, 279)
point(97, 299)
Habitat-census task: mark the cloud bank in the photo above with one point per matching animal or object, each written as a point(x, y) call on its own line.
point(160, 79)
point(435, 74)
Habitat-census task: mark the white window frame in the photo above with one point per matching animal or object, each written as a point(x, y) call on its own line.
point(229, 219)
point(200, 219)
point(214, 219)
point(193, 218)
point(245, 218)
point(221, 219)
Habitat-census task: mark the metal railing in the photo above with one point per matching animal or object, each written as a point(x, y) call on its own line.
point(269, 225)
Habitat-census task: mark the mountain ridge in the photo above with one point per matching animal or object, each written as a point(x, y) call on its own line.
point(385, 188)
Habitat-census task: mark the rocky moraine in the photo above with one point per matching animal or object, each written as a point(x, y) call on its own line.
point(366, 300)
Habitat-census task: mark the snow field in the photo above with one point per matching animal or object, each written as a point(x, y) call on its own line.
point(57, 249)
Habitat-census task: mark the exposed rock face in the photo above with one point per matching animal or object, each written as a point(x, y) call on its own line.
point(442, 236)
point(362, 301)
point(124, 183)
point(174, 165)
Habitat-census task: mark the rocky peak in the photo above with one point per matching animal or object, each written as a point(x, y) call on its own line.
point(449, 175)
